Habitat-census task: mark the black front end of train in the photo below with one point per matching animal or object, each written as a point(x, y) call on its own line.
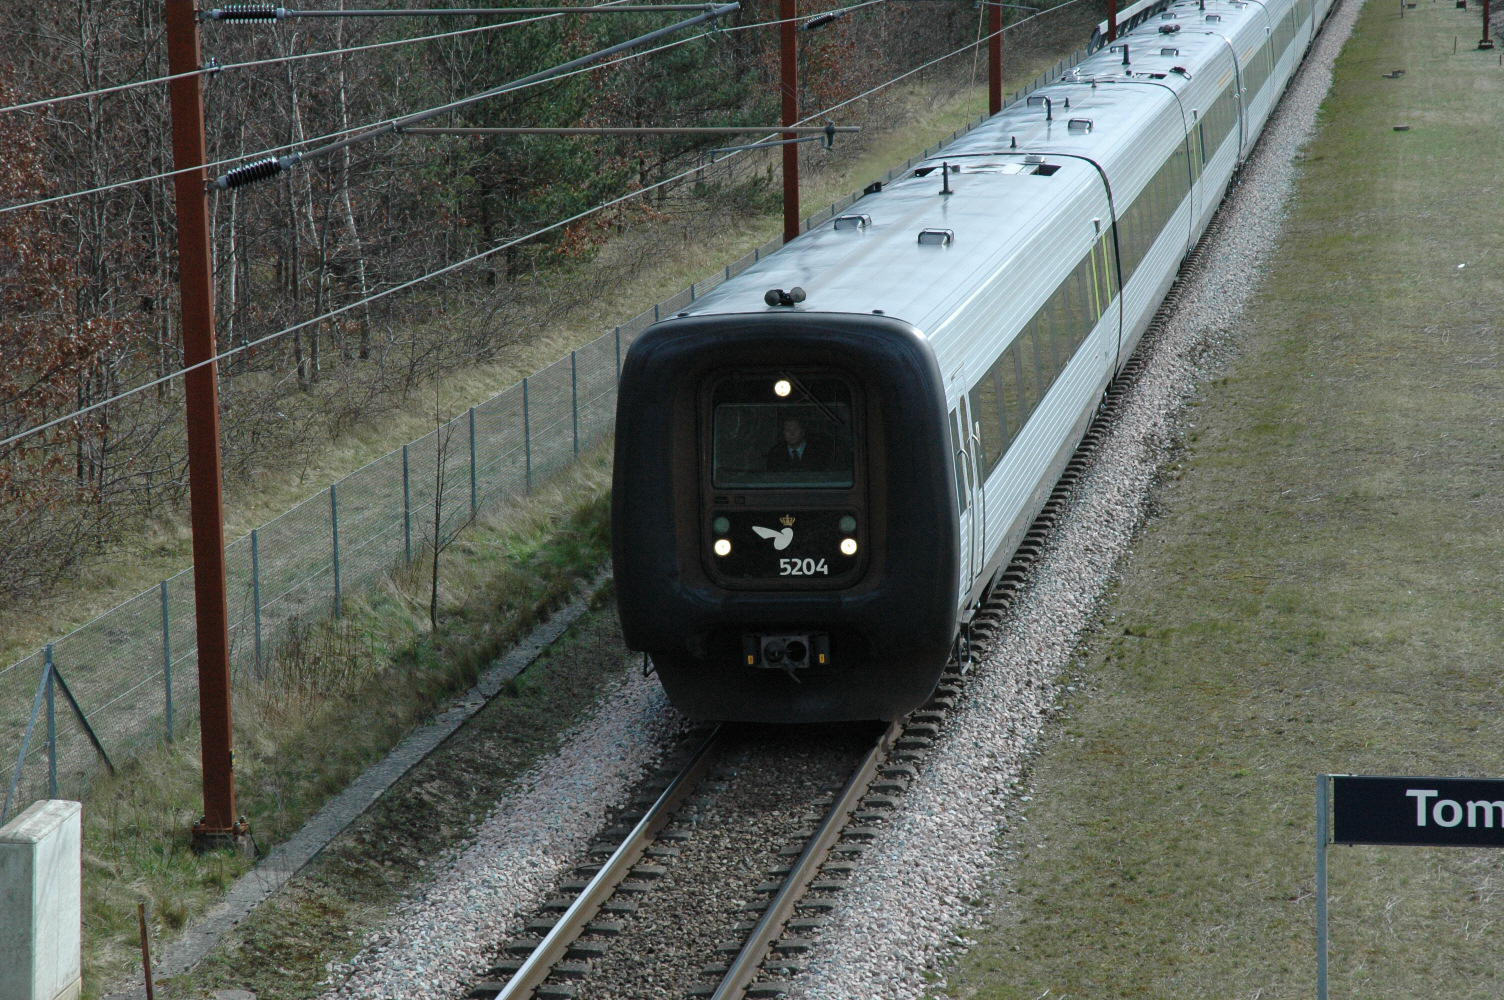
point(784, 516)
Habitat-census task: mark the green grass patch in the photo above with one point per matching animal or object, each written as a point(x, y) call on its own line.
point(1319, 593)
point(335, 701)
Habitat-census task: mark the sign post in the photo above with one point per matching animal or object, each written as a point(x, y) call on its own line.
point(1419, 812)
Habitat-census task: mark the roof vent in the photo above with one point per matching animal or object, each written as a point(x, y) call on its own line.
point(1167, 51)
point(1036, 100)
point(1213, 17)
point(853, 221)
point(1167, 16)
point(936, 237)
point(1168, 29)
point(1079, 125)
point(778, 297)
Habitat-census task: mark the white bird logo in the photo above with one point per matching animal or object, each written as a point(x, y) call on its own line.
point(781, 539)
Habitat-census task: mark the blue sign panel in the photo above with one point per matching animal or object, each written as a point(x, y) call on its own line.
point(1428, 812)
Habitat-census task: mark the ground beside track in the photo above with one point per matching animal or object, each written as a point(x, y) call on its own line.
point(1319, 591)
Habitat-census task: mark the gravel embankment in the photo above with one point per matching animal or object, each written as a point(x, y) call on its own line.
point(898, 920)
point(436, 944)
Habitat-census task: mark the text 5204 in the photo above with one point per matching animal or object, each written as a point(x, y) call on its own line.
point(803, 567)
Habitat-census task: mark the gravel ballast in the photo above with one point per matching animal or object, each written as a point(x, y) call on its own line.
point(436, 944)
point(898, 922)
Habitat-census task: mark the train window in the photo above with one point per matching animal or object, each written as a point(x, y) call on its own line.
point(986, 411)
point(782, 430)
point(1028, 347)
point(1016, 389)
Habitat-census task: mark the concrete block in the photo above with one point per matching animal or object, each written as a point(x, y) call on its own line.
point(40, 902)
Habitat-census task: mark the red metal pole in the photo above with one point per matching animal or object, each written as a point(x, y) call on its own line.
point(220, 826)
point(994, 59)
point(788, 54)
point(1486, 42)
point(1112, 20)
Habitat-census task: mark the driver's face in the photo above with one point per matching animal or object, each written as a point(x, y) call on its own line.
point(793, 433)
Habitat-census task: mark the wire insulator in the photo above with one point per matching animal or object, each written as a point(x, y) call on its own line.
point(821, 20)
point(247, 12)
point(260, 170)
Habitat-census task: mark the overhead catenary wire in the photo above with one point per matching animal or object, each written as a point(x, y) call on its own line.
point(266, 12)
point(213, 68)
point(275, 150)
point(266, 168)
point(341, 310)
point(938, 59)
point(634, 130)
point(481, 255)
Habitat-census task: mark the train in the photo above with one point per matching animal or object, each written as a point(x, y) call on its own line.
point(822, 465)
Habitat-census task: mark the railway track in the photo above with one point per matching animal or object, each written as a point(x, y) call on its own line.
point(775, 927)
point(838, 789)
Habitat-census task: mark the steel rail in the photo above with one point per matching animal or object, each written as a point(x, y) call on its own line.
point(552, 948)
point(744, 968)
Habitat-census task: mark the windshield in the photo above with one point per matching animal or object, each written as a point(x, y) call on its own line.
point(762, 439)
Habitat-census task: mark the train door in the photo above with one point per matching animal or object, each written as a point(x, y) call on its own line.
point(964, 449)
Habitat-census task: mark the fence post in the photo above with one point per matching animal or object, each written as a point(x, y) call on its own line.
point(31, 725)
point(574, 401)
point(691, 291)
point(167, 643)
point(407, 510)
point(334, 526)
point(527, 437)
point(655, 313)
point(51, 727)
point(474, 486)
point(256, 592)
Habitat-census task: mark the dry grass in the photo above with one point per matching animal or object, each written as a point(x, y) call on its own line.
point(1320, 593)
point(336, 700)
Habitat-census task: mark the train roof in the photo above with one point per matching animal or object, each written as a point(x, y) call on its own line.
point(915, 253)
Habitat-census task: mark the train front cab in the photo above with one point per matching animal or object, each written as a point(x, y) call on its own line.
point(784, 515)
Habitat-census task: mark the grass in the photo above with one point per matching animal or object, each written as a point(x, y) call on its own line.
point(283, 950)
point(336, 701)
point(1319, 593)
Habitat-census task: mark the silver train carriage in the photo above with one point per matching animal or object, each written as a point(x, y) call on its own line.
point(812, 491)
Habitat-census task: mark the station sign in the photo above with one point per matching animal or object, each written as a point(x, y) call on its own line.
point(1427, 812)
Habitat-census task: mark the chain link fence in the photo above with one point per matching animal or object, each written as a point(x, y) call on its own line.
point(129, 678)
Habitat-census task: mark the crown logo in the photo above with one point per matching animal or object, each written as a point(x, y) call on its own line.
point(787, 520)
